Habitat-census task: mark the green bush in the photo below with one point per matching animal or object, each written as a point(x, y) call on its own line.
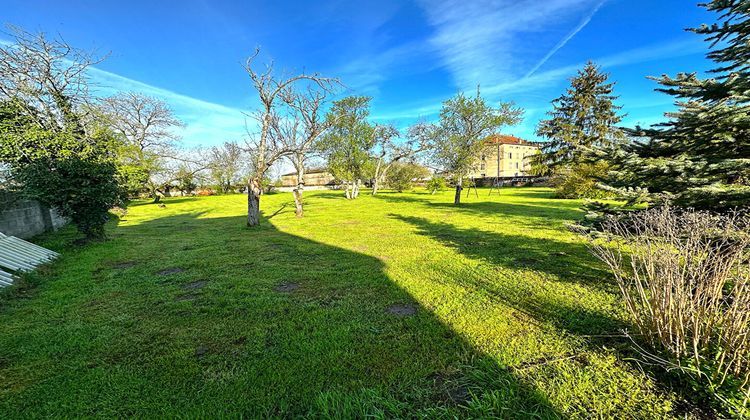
point(580, 181)
point(73, 170)
point(437, 183)
point(83, 190)
point(402, 176)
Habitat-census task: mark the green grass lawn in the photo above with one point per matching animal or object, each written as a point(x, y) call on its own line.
point(185, 311)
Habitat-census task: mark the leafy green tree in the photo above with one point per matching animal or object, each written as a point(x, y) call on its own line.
point(583, 118)
point(402, 175)
point(347, 143)
point(56, 146)
point(700, 158)
point(78, 177)
point(459, 137)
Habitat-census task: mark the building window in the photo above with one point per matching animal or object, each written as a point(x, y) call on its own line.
point(483, 157)
point(481, 167)
point(510, 155)
point(516, 165)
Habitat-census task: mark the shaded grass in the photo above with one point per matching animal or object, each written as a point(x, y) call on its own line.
point(182, 313)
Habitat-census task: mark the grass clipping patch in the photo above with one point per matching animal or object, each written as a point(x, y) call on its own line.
point(685, 279)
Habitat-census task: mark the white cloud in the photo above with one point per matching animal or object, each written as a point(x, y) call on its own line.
point(206, 123)
point(483, 41)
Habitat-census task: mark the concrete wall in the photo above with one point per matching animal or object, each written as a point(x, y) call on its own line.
point(24, 219)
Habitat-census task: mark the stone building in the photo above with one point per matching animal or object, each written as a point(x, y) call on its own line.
point(316, 177)
point(504, 157)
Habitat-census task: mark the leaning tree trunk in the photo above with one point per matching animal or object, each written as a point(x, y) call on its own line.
point(376, 179)
point(459, 187)
point(347, 191)
point(254, 191)
point(375, 185)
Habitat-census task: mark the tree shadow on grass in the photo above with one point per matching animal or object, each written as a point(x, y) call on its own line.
point(566, 261)
point(526, 213)
point(543, 301)
point(198, 317)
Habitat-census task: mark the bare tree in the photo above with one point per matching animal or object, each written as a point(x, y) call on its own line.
point(226, 165)
point(47, 78)
point(267, 148)
point(147, 124)
point(298, 132)
point(388, 152)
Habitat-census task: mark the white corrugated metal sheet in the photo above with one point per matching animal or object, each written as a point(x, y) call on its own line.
point(19, 255)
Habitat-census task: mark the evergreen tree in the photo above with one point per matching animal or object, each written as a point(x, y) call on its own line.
point(585, 116)
point(701, 157)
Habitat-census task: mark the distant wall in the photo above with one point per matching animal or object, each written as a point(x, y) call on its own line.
point(26, 218)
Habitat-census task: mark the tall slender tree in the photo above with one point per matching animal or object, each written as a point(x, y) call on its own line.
point(300, 130)
point(700, 158)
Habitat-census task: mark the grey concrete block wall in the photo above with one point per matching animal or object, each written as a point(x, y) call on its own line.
point(26, 218)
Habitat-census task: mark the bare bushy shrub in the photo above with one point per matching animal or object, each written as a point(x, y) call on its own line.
point(685, 279)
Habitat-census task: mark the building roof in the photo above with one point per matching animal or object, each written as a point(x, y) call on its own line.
point(506, 139)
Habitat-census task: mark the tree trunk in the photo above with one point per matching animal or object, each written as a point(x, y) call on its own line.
point(459, 187)
point(347, 192)
point(254, 192)
point(376, 179)
point(355, 189)
point(297, 192)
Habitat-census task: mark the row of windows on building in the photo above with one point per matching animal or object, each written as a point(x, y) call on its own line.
point(482, 166)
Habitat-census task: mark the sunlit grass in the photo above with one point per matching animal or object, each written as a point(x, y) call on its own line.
point(294, 318)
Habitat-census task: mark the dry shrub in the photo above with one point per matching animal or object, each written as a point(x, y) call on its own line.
point(685, 279)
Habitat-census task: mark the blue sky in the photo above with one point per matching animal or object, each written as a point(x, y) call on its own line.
point(410, 56)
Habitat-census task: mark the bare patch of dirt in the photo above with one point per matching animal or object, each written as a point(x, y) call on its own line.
point(450, 389)
point(195, 285)
point(170, 271)
point(286, 287)
point(186, 297)
point(406, 309)
point(201, 351)
point(122, 265)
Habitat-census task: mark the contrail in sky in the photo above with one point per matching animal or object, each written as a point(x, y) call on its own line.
point(567, 38)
